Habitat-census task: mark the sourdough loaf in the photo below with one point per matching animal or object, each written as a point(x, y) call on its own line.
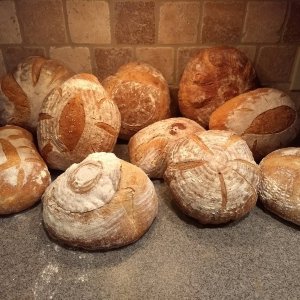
point(142, 96)
point(150, 147)
point(265, 118)
point(23, 92)
point(75, 120)
point(101, 203)
point(213, 177)
point(212, 77)
point(23, 174)
point(280, 184)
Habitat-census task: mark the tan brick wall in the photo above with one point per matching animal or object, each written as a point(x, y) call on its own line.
point(99, 36)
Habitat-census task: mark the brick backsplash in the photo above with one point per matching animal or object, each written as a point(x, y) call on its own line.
point(99, 36)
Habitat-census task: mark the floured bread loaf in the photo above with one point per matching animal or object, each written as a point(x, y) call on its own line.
point(142, 96)
point(265, 118)
point(101, 203)
point(212, 77)
point(23, 174)
point(23, 92)
point(280, 184)
point(75, 120)
point(150, 147)
point(213, 177)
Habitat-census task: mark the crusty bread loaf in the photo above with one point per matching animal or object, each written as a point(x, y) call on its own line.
point(77, 119)
point(101, 203)
point(265, 118)
point(150, 147)
point(23, 174)
point(213, 177)
point(280, 184)
point(212, 77)
point(142, 96)
point(23, 92)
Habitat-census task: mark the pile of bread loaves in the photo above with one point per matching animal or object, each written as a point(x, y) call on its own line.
point(103, 202)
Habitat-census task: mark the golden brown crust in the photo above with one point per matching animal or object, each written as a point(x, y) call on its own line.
point(119, 222)
point(77, 119)
point(280, 185)
point(213, 177)
point(212, 77)
point(26, 88)
point(266, 118)
point(150, 147)
point(23, 174)
point(142, 96)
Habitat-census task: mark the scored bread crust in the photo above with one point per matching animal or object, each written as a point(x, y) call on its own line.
point(101, 203)
point(77, 119)
point(265, 118)
point(150, 147)
point(212, 77)
point(24, 175)
point(213, 177)
point(23, 92)
point(280, 185)
point(142, 96)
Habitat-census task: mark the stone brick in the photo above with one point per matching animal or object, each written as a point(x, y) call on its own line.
point(108, 60)
point(43, 21)
point(183, 56)
point(9, 26)
point(264, 21)
point(292, 31)
point(223, 21)
point(2, 66)
point(250, 51)
point(178, 22)
point(135, 22)
point(161, 58)
point(89, 21)
point(274, 63)
point(14, 55)
point(76, 58)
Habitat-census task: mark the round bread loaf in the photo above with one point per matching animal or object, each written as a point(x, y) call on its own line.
point(23, 174)
point(75, 120)
point(150, 147)
point(142, 96)
point(265, 118)
point(212, 77)
point(280, 184)
point(101, 203)
point(23, 92)
point(213, 177)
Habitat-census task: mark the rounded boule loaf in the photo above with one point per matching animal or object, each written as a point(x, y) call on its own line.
point(150, 147)
point(76, 119)
point(213, 177)
point(212, 77)
point(142, 96)
point(265, 118)
point(101, 203)
point(280, 185)
point(24, 175)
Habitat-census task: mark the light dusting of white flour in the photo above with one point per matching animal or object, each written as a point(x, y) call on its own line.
point(3, 158)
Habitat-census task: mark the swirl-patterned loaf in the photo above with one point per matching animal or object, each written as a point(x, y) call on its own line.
point(150, 147)
point(213, 177)
point(280, 184)
point(23, 174)
point(212, 77)
point(142, 96)
point(101, 203)
point(265, 118)
point(75, 120)
point(23, 92)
